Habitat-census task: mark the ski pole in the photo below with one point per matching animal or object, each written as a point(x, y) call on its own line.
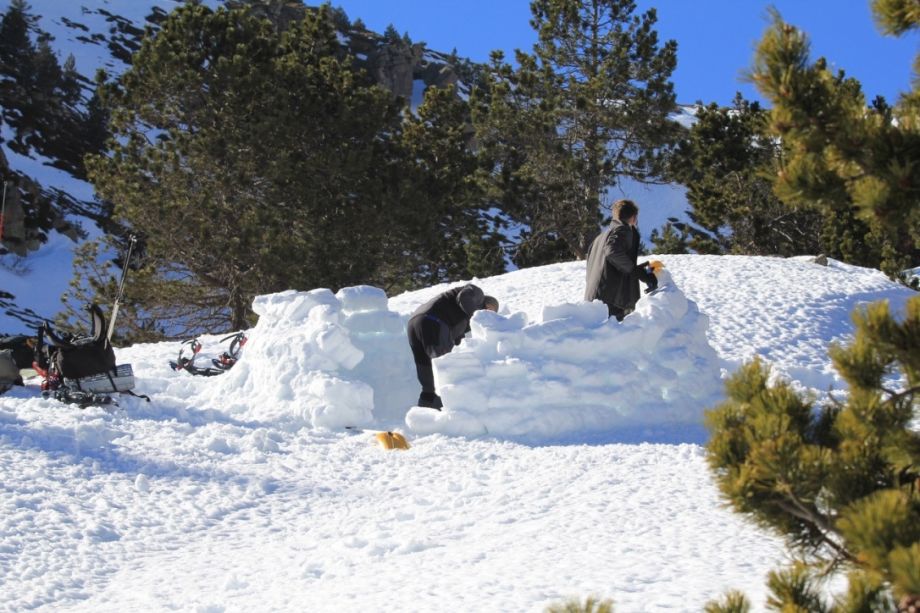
point(2, 210)
point(121, 287)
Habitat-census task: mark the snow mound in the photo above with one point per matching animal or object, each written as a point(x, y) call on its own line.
point(322, 360)
point(576, 371)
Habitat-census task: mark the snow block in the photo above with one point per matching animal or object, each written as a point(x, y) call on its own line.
point(337, 403)
point(292, 305)
point(587, 314)
point(374, 322)
point(362, 298)
point(452, 422)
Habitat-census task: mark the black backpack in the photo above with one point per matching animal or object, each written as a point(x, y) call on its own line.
point(81, 369)
point(75, 357)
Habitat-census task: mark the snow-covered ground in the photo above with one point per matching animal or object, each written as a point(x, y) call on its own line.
point(245, 492)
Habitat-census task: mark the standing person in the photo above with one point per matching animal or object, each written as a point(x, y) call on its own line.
point(612, 273)
point(437, 327)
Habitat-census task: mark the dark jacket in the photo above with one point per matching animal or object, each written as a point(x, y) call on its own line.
point(612, 275)
point(451, 311)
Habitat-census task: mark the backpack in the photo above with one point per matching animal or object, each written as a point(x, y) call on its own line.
point(81, 369)
point(77, 357)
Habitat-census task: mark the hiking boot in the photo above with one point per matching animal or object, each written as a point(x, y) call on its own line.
point(430, 401)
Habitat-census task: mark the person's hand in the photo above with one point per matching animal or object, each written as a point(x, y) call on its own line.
point(648, 277)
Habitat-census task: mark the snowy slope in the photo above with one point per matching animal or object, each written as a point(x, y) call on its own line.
point(221, 498)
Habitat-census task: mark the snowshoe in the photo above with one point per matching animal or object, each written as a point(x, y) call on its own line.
point(187, 362)
point(228, 358)
point(217, 366)
point(80, 398)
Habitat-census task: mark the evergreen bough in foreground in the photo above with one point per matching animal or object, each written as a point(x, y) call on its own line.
point(841, 482)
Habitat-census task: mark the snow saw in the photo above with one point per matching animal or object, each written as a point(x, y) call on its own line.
point(391, 440)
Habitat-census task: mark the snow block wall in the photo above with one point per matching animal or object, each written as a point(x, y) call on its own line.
point(322, 360)
point(576, 371)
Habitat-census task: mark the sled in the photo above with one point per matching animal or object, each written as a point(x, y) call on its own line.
point(119, 380)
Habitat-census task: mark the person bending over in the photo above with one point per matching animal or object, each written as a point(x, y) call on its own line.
point(437, 327)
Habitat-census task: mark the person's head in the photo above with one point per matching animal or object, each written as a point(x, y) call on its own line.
point(626, 211)
point(490, 303)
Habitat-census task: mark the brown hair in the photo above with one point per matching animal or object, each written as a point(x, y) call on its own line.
point(624, 209)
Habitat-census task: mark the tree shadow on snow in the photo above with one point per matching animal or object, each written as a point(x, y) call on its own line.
point(679, 434)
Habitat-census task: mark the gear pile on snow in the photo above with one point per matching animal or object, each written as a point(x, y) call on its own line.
point(15, 354)
point(81, 369)
point(190, 358)
point(9, 371)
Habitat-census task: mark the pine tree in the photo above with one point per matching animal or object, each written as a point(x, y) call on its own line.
point(391, 35)
point(669, 240)
point(16, 48)
point(725, 161)
point(840, 482)
point(839, 153)
point(733, 602)
point(589, 107)
point(250, 162)
point(447, 230)
point(42, 106)
point(17, 52)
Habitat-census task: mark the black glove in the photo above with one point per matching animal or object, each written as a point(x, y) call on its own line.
point(648, 277)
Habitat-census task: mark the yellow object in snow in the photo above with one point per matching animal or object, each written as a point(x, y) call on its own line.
point(391, 440)
point(656, 266)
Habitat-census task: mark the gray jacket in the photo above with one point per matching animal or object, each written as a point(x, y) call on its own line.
point(612, 275)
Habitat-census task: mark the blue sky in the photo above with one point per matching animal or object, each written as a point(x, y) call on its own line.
point(716, 38)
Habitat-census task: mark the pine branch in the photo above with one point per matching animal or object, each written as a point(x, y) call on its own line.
point(895, 396)
point(816, 521)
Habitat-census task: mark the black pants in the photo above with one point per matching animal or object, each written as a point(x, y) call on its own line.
point(423, 333)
